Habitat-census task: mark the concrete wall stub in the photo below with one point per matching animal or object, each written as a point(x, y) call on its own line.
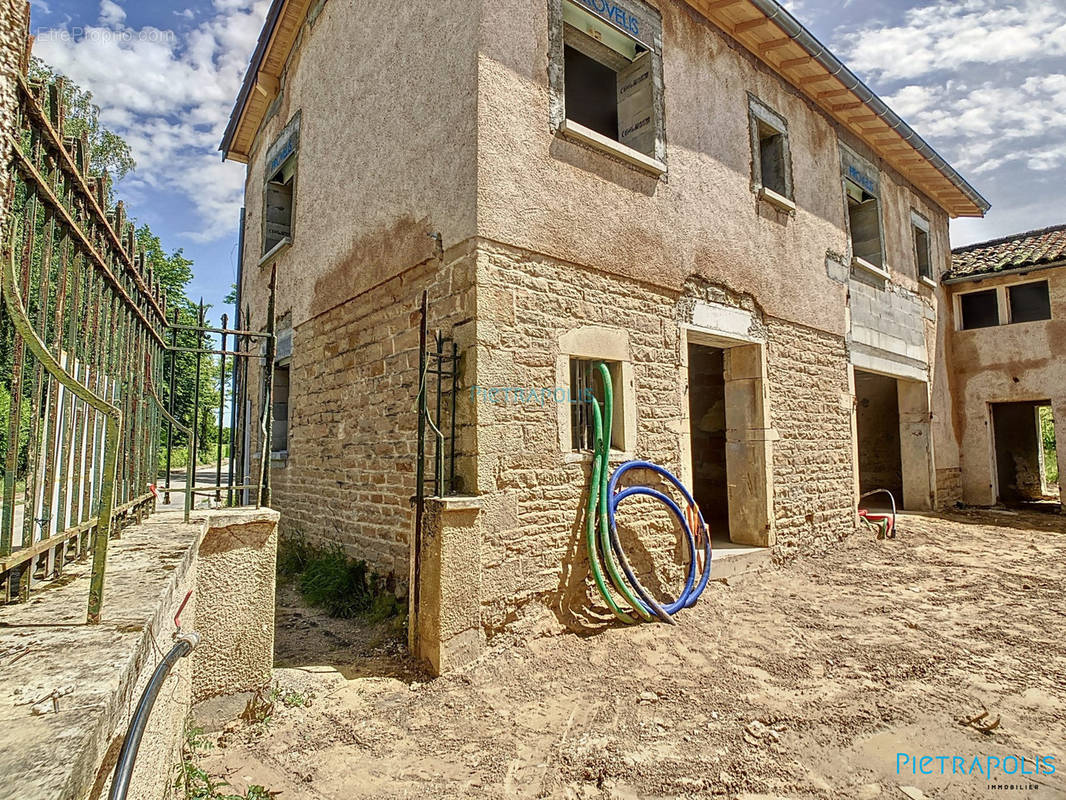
point(749, 453)
point(236, 577)
point(446, 609)
point(100, 671)
point(916, 446)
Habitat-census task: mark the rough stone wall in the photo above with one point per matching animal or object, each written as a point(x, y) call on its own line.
point(350, 473)
point(533, 517)
point(811, 410)
point(534, 548)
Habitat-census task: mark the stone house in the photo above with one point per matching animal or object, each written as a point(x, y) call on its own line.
point(694, 191)
point(1007, 350)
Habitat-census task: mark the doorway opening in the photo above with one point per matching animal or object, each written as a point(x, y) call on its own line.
point(893, 437)
point(1026, 452)
point(877, 426)
point(710, 481)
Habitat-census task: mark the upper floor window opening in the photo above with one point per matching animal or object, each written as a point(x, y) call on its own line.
point(864, 222)
point(279, 189)
point(606, 79)
point(1029, 302)
point(771, 158)
point(923, 250)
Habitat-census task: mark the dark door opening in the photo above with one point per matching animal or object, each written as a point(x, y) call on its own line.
point(877, 424)
point(1026, 457)
point(710, 486)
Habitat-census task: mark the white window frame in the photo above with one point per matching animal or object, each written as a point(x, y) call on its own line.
point(1002, 303)
point(651, 39)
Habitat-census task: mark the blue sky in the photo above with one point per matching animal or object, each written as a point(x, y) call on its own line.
point(983, 81)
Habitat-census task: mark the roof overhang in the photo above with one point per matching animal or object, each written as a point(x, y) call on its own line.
point(978, 277)
point(262, 82)
point(777, 39)
point(763, 27)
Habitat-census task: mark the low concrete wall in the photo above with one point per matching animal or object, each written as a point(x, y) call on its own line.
point(67, 690)
point(445, 620)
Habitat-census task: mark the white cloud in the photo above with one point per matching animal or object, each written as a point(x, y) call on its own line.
point(170, 97)
point(952, 34)
point(111, 13)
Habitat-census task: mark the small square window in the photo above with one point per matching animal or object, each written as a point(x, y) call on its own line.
point(608, 83)
point(979, 309)
point(864, 218)
point(923, 252)
point(1029, 302)
point(770, 165)
point(586, 382)
point(277, 222)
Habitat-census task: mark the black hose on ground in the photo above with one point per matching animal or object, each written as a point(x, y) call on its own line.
point(127, 756)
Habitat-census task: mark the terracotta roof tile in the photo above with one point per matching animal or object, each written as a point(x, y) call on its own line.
point(1031, 249)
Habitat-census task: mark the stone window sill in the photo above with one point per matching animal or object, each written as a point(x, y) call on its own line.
point(613, 457)
point(276, 250)
point(866, 266)
point(777, 200)
point(927, 281)
point(579, 132)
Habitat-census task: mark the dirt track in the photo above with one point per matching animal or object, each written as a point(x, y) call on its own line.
point(800, 682)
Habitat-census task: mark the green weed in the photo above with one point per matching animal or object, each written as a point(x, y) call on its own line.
point(341, 586)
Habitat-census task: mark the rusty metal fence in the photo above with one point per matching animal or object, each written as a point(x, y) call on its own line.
point(88, 349)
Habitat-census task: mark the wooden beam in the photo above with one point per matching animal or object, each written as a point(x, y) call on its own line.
point(751, 24)
point(717, 4)
point(814, 79)
point(789, 63)
point(833, 93)
point(846, 106)
point(267, 85)
point(774, 44)
point(852, 120)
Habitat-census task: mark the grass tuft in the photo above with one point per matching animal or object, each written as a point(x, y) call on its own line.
point(341, 586)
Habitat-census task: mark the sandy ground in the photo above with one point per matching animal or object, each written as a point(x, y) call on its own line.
point(804, 681)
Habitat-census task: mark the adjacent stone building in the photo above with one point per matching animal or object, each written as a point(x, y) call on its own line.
point(1007, 339)
point(695, 192)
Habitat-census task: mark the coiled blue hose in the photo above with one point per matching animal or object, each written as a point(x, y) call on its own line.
point(604, 547)
point(692, 591)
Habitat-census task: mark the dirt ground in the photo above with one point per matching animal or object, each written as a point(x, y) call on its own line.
point(803, 681)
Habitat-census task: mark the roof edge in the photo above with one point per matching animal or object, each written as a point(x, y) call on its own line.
point(977, 277)
point(969, 248)
point(256, 63)
point(820, 53)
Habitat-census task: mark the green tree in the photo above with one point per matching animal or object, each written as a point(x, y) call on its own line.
point(109, 153)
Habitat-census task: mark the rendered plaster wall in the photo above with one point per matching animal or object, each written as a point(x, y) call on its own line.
point(386, 94)
point(544, 193)
point(1022, 362)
